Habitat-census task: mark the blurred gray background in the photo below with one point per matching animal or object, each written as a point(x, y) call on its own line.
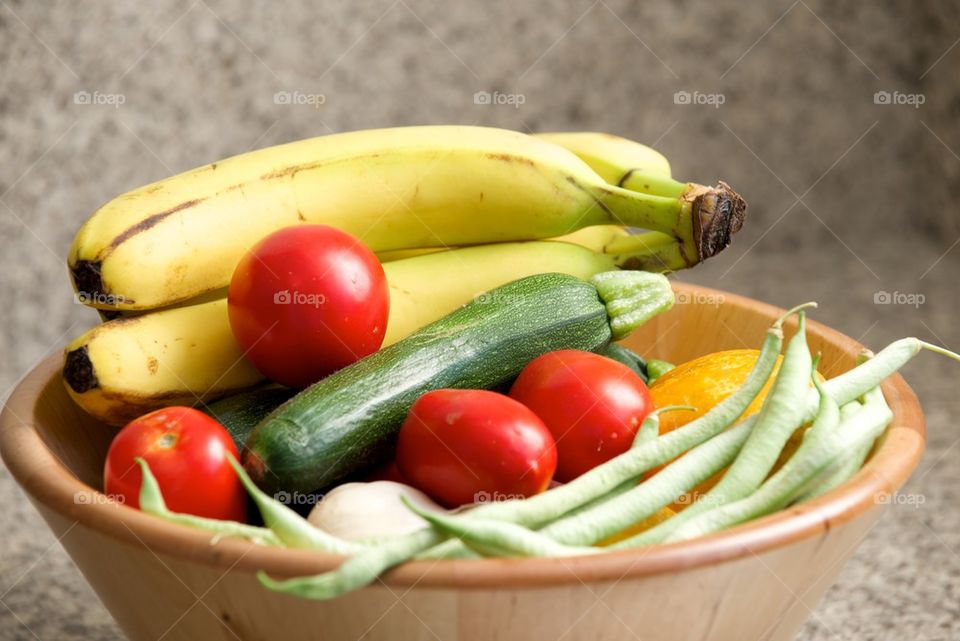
point(851, 196)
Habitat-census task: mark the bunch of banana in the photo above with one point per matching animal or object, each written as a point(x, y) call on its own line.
point(186, 353)
point(403, 188)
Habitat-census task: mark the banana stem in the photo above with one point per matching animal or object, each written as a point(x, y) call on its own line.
point(703, 219)
point(652, 251)
point(653, 184)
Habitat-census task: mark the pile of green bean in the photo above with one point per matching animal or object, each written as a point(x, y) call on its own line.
point(848, 413)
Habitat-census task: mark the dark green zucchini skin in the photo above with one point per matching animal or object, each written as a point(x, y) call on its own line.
point(628, 357)
point(349, 420)
point(241, 412)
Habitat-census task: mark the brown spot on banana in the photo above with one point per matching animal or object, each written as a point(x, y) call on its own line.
point(626, 176)
point(147, 223)
point(511, 158)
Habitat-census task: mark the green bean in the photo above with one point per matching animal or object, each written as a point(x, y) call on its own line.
point(291, 528)
point(827, 443)
point(497, 538)
point(644, 500)
point(649, 431)
point(650, 427)
point(848, 465)
point(781, 414)
point(844, 389)
point(151, 502)
point(358, 570)
point(855, 383)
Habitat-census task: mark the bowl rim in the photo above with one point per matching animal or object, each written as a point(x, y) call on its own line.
point(50, 484)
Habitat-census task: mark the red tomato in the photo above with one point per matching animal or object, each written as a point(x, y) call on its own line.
point(186, 451)
point(307, 301)
point(593, 406)
point(474, 446)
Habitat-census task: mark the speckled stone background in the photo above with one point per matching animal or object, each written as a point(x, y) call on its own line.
point(848, 198)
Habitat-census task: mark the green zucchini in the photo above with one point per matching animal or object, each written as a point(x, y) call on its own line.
point(241, 412)
point(626, 356)
point(348, 421)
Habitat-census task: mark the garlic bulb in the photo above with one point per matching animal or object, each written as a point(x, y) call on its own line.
point(355, 511)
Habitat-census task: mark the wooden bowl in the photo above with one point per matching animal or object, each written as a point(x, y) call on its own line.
point(757, 581)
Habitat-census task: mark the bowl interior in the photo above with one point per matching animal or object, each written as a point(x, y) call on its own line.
point(55, 451)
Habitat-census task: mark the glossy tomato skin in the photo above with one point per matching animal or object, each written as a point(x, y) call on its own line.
point(306, 301)
point(474, 446)
point(186, 451)
point(593, 406)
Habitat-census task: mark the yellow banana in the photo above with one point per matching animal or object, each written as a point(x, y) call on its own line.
point(402, 188)
point(615, 159)
point(595, 238)
point(622, 162)
point(185, 355)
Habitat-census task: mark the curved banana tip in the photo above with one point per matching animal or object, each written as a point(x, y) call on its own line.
point(87, 280)
point(78, 371)
point(718, 213)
